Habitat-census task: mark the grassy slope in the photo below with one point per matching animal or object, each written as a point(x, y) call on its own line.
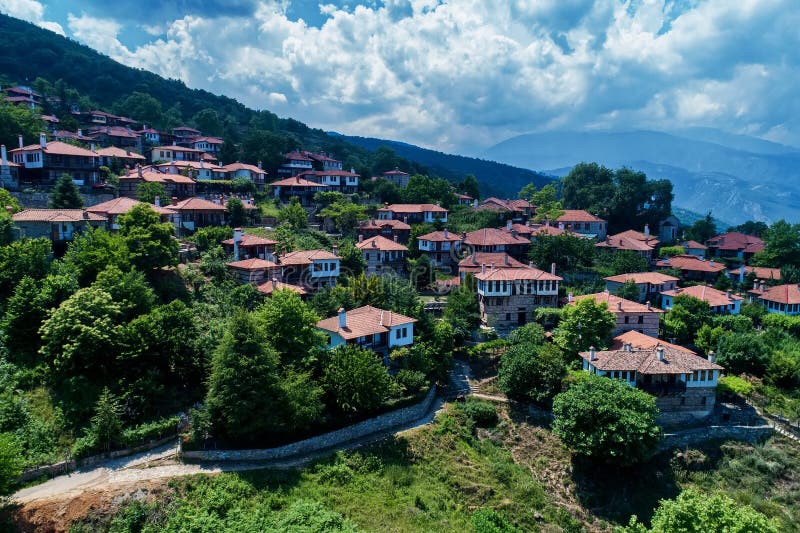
point(433, 479)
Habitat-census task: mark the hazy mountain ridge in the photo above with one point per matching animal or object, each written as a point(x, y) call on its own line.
point(733, 183)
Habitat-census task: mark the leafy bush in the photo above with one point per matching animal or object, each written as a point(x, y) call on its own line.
point(532, 373)
point(481, 412)
point(490, 521)
point(150, 431)
point(411, 381)
point(735, 386)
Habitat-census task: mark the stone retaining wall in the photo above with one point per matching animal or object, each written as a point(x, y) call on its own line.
point(42, 199)
point(691, 437)
point(71, 465)
point(380, 423)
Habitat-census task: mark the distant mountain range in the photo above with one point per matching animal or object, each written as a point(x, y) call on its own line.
point(735, 177)
point(495, 179)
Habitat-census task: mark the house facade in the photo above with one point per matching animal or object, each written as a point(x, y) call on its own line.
point(507, 297)
point(413, 213)
point(720, 302)
point(45, 162)
point(296, 187)
point(650, 284)
point(370, 328)
point(494, 240)
point(390, 229)
point(441, 247)
point(382, 256)
point(312, 269)
point(692, 267)
point(684, 384)
point(583, 222)
point(398, 177)
point(630, 315)
point(780, 299)
point(58, 225)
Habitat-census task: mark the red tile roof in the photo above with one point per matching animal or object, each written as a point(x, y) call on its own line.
point(546, 229)
point(297, 156)
point(694, 245)
point(690, 263)
point(475, 260)
point(233, 167)
point(268, 287)
point(642, 341)
point(57, 148)
point(782, 294)
point(513, 274)
point(252, 264)
point(733, 240)
point(377, 224)
point(175, 148)
point(56, 215)
point(654, 278)
point(296, 182)
point(646, 361)
point(305, 257)
point(578, 215)
point(760, 272)
point(625, 242)
point(617, 304)
point(121, 205)
point(493, 237)
point(498, 204)
point(395, 173)
point(113, 151)
point(413, 208)
point(364, 321)
point(441, 236)
point(710, 295)
point(251, 240)
point(381, 243)
point(196, 204)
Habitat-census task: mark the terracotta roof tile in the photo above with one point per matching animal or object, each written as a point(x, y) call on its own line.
point(56, 215)
point(364, 321)
point(413, 208)
point(691, 263)
point(252, 264)
point(646, 361)
point(617, 304)
point(513, 274)
point(782, 294)
point(493, 237)
point(578, 215)
point(710, 295)
point(381, 243)
point(268, 287)
point(251, 240)
point(642, 341)
point(654, 278)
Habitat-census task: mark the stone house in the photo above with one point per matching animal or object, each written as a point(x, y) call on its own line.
point(382, 255)
point(781, 299)
point(683, 383)
point(642, 244)
point(254, 271)
point(735, 245)
point(441, 247)
point(650, 284)
point(391, 229)
point(584, 223)
point(494, 240)
point(58, 225)
point(692, 267)
point(720, 302)
point(507, 297)
point(297, 187)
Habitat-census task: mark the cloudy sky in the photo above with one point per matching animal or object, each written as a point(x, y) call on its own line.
point(462, 75)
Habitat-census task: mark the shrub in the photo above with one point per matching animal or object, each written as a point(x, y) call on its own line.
point(411, 381)
point(150, 431)
point(490, 521)
point(735, 386)
point(531, 373)
point(481, 412)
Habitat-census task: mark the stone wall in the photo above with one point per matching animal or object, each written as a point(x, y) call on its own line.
point(322, 442)
point(692, 437)
point(42, 199)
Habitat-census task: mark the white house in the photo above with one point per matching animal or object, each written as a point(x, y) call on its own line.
point(369, 327)
point(721, 303)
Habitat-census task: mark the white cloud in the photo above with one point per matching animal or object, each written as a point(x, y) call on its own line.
point(32, 11)
point(468, 73)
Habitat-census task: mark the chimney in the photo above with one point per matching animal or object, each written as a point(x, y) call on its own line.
point(80, 132)
point(335, 250)
point(647, 230)
point(619, 306)
point(649, 306)
point(474, 257)
point(396, 237)
point(711, 263)
point(274, 283)
point(569, 298)
point(712, 356)
point(43, 140)
point(506, 260)
point(139, 170)
point(446, 233)
point(762, 287)
point(660, 353)
point(483, 268)
point(741, 274)
point(627, 347)
point(360, 238)
point(259, 165)
point(592, 354)
point(553, 269)
point(560, 225)
point(157, 201)
point(728, 294)
point(20, 141)
point(86, 215)
point(755, 285)
point(91, 147)
point(3, 156)
point(342, 318)
point(237, 238)
point(508, 225)
point(174, 200)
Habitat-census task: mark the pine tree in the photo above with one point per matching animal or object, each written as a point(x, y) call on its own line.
point(66, 195)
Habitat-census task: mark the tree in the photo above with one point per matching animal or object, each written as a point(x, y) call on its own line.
point(213, 262)
point(547, 205)
point(17, 120)
point(568, 252)
point(150, 242)
point(293, 214)
point(65, 194)
point(470, 187)
point(421, 272)
point(696, 512)
point(129, 290)
point(143, 107)
point(687, 316)
point(355, 380)
point(267, 147)
point(289, 326)
point(629, 290)
point(95, 249)
point(244, 409)
point(462, 310)
point(588, 186)
point(107, 422)
point(584, 324)
point(424, 189)
point(345, 215)
point(751, 227)
point(531, 372)
point(237, 215)
point(351, 261)
point(11, 461)
point(207, 120)
point(743, 353)
point(606, 420)
point(386, 192)
point(781, 245)
point(6, 201)
point(26, 257)
point(148, 191)
point(627, 262)
point(702, 229)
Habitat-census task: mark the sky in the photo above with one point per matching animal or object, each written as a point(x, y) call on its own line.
point(463, 75)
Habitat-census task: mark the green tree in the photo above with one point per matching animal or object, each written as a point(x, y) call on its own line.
point(568, 252)
point(11, 461)
point(150, 242)
point(743, 353)
point(751, 227)
point(17, 120)
point(355, 380)
point(386, 192)
point(424, 189)
point(293, 214)
point(696, 512)
point(629, 290)
point(143, 107)
point(6, 201)
point(289, 326)
point(627, 262)
point(148, 191)
point(588, 186)
point(531, 372)
point(26, 257)
point(421, 272)
point(267, 147)
point(207, 120)
point(586, 323)
point(65, 194)
point(702, 229)
point(462, 310)
point(244, 409)
point(671, 251)
point(470, 187)
point(606, 420)
point(547, 205)
point(781, 245)
point(237, 215)
point(351, 261)
point(687, 316)
point(129, 290)
point(106, 424)
point(93, 250)
point(345, 215)
point(213, 262)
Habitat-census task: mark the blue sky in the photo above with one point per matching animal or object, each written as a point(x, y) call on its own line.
point(462, 75)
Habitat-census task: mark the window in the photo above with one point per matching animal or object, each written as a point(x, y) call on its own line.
point(508, 316)
point(641, 319)
point(627, 319)
point(398, 333)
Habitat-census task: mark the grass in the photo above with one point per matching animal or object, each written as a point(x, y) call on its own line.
point(437, 477)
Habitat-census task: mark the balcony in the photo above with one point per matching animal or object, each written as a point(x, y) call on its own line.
point(663, 389)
